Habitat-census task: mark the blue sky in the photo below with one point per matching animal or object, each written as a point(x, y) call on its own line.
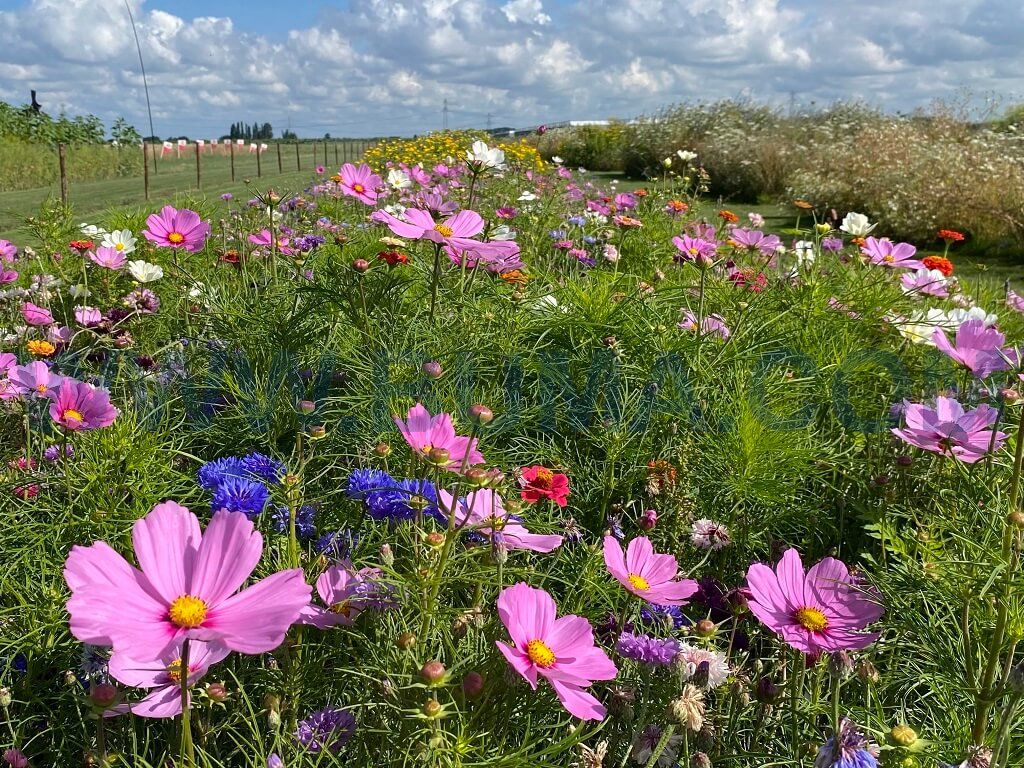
point(384, 67)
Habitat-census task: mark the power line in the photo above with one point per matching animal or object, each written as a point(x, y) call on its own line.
point(145, 82)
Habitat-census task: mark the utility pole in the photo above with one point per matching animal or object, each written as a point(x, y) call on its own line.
point(444, 112)
point(489, 116)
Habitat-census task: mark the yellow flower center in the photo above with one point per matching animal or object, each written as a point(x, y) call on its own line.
point(495, 523)
point(358, 188)
point(638, 582)
point(120, 246)
point(544, 476)
point(811, 619)
point(444, 230)
point(72, 415)
point(342, 608)
point(540, 654)
point(187, 611)
point(176, 237)
point(888, 258)
point(40, 388)
point(174, 671)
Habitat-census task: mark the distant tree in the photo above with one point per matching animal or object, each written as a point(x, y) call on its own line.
point(288, 135)
point(123, 133)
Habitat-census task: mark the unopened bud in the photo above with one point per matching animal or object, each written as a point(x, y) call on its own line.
point(319, 432)
point(406, 641)
point(432, 708)
point(382, 449)
point(439, 457)
point(840, 665)
point(767, 692)
point(904, 460)
point(306, 406)
point(867, 672)
point(432, 369)
point(700, 760)
point(360, 265)
point(480, 414)
point(477, 476)
point(273, 719)
point(5, 697)
point(1016, 519)
point(102, 695)
point(902, 735)
point(433, 672)
point(386, 555)
point(705, 628)
point(435, 539)
point(473, 685)
point(217, 692)
point(648, 520)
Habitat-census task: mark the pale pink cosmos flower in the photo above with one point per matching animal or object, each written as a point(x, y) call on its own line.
point(483, 512)
point(346, 592)
point(1014, 300)
point(7, 361)
point(265, 239)
point(925, 281)
point(645, 573)
point(79, 406)
point(108, 258)
point(360, 182)
point(457, 230)
point(173, 228)
point(560, 649)
point(88, 316)
point(34, 377)
point(818, 611)
point(885, 253)
point(424, 432)
point(163, 677)
point(755, 240)
point(978, 348)
point(35, 315)
point(712, 325)
point(185, 588)
point(950, 430)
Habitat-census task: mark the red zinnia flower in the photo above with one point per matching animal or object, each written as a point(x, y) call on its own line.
point(542, 483)
point(393, 257)
point(81, 245)
point(951, 235)
point(230, 256)
point(941, 263)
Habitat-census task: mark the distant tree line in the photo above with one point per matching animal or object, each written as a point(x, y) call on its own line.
point(31, 124)
point(242, 130)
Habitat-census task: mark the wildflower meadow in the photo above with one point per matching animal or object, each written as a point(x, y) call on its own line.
point(460, 457)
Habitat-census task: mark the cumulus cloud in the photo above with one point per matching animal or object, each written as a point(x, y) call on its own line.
point(377, 67)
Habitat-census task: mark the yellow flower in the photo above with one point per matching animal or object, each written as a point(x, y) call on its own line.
point(41, 348)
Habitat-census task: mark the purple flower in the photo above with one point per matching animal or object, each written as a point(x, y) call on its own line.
point(237, 494)
point(977, 347)
point(142, 300)
point(663, 616)
point(327, 729)
point(305, 521)
point(886, 253)
point(263, 467)
point(849, 748)
point(950, 430)
point(834, 244)
point(695, 249)
point(755, 240)
point(659, 652)
point(213, 473)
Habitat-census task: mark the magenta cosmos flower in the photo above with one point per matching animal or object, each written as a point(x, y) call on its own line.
point(184, 588)
point(172, 228)
point(886, 253)
point(977, 347)
point(456, 231)
point(484, 512)
point(696, 249)
point(712, 325)
point(562, 650)
point(80, 406)
point(35, 377)
point(817, 611)
point(950, 430)
point(755, 240)
point(35, 315)
point(361, 183)
point(645, 573)
point(163, 677)
point(424, 432)
point(346, 592)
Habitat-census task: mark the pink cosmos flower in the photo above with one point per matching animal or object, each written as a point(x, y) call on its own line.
point(185, 587)
point(35, 315)
point(163, 677)
point(7, 361)
point(345, 591)
point(457, 230)
point(755, 240)
point(884, 252)
point(8, 251)
point(484, 512)
point(562, 650)
point(109, 258)
point(7, 275)
point(35, 377)
point(424, 432)
point(645, 573)
point(696, 249)
point(361, 183)
point(950, 430)
point(79, 406)
point(978, 347)
point(712, 325)
point(496, 256)
point(172, 228)
point(925, 281)
point(1014, 300)
point(817, 611)
point(88, 316)
point(265, 239)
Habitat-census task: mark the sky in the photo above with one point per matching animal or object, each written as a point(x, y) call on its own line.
point(386, 67)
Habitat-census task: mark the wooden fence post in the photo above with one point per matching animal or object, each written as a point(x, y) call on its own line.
point(280, 169)
point(199, 172)
point(314, 153)
point(231, 144)
point(335, 153)
point(325, 152)
point(145, 170)
point(298, 162)
point(259, 165)
point(62, 159)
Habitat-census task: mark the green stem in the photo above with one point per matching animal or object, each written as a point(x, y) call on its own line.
point(435, 280)
point(666, 734)
point(188, 757)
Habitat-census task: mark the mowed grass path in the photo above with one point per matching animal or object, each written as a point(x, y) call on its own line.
point(176, 175)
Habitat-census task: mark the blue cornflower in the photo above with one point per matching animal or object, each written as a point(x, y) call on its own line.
point(578, 221)
point(850, 748)
point(306, 243)
point(363, 481)
point(263, 467)
point(663, 616)
point(237, 494)
point(213, 473)
point(337, 545)
point(328, 729)
point(557, 234)
point(305, 521)
point(655, 651)
point(400, 503)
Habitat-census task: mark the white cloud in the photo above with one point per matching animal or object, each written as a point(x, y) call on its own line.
point(384, 66)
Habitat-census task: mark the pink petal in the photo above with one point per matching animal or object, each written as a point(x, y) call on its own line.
point(638, 552)
point(228, 553)
point(257, 618)
point(465, 224)
point(614, 560)
point(578, 702)
point(790, 572)
point(519, 662)
point(527, 613)
point(165, 544)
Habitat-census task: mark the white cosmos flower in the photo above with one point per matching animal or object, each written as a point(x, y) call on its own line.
point(556, 160)
point(856, 224)
point(79, 291)
point(804, 250)
point(958, 317)
point(502, 232)
point(91, 230)
point(399, 179)
point(527, 197)
point(485, 156)
point(121, 240)
point(686, 155)
point(145, 272)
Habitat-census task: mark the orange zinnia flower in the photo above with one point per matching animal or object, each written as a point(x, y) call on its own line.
point(41, 348)
point(728, 216)
point(951, 235)
point(941, 263)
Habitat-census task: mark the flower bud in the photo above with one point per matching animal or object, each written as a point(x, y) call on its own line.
point(648, 520)
point(767, 692)
point(406, 641)
point(432, 369)
point(904, 461)
point(477, 476)
point(433, 672)
point(435, 539)
point(700, 760)
point(432, 708)
point(840, 665)
point(439, 457)
point(102, 695)
point(387, 557)
point(319, 432)
point(360, 265)
point(705, 628)
point(217, 692)
point(274, 761)
point(823, 229)
point(473, 685)
point(882, 480)
point(1015, 680)
point(1016, 519)
point(5, 697)
point(306, 406)
point(382, 449)
point(480, 414)
point(867, 672)
point(272, 703)
point(273, 719)
point(902, 735)
point(69, 678)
